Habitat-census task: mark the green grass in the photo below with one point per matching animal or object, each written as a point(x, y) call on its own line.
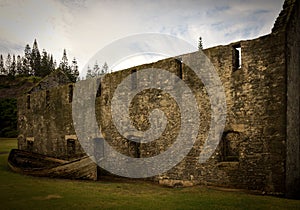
point(24, 192)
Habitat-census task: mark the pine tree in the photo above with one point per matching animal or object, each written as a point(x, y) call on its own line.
point(104, 69)
point(45, 67)
point(8, 63)
point(2, 68)
point(74, 71)
point(36, 60)
point(27, 70)
point(19, 67)
point(88, 73)
point(200, 45)
point(52, 64)
point(64, 66)
point(96, 70)
point(13, 66)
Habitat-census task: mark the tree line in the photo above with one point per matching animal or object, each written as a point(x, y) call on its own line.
point(34, 63)
point(96, 70)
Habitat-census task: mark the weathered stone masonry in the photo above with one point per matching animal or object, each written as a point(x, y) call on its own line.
point(293, 96)
point(260, 145)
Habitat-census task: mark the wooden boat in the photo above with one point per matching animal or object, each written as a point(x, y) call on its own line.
point(34, 164)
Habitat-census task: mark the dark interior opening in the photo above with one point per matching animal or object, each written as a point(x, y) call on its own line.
point(230, 146)
point(30, 146)
point(237, 57)
point(133, 79)
point(70, 95)
point(71, 149)
point(47, 98)
point(28, 101)
point(179, 73)
point(99, 90)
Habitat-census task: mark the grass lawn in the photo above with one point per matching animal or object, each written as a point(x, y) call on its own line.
point(24, 192)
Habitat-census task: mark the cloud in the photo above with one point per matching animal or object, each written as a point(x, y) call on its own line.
point(85, 26)
point(23, 21)
point(140, 49)
point(10, 47)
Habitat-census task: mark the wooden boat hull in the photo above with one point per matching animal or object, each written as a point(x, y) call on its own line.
point(34, 164)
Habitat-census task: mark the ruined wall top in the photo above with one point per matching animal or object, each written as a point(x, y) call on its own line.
point(284, 16)
point(54, 79)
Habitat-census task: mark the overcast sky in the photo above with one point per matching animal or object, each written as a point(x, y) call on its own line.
point(85, 26)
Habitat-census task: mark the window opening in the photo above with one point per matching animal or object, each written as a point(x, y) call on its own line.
point(28, 101)
point(133, 79)
point(70, 95)
point(71, 147)
point(237, 57)
point(136, 145)
point(230, 147)
point(47, 98)
point(180, 73)
point(99, 90)
point(98, 148)
point(29, 145)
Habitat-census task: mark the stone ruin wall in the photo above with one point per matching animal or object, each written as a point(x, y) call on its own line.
point(255, 129)
point(293, 102)
point(45, 123)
